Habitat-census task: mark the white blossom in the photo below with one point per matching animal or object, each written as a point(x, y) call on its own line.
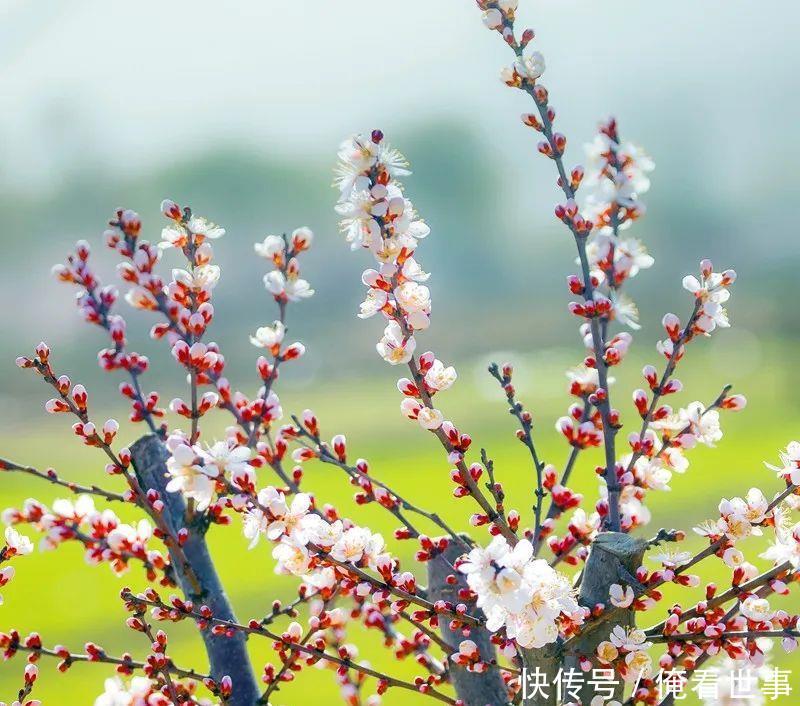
point(620, 186)
point(204, 277)
point(376, 215)
point(293, 288)
point(320, 532)
point(413, 297)
point(631, 256)
point(17, 542)
point(733, 557)
point(711, 291)
point(272, 246)
point(202, 226)
point(790, 463)
point(629, 639)
point(650, 472)
point(620, 596)
point(429, 418)
point(440, 377)
point(223, 459)
point(124, 535)
point(625, 310)
point(358, 154)
point(269, 337)
point(357, 544)
point(787, 540)
point(756, 609)
point(671, 559)
point(254, 524)
point(492, 18)
point(291, 558)
point(186, 474)
point(703, 424)
point(77, 511)
point(375, 301)
point(116, 693)
point(394, 348)
point(530, 66)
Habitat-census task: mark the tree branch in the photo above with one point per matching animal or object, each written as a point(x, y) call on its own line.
point(227, 655)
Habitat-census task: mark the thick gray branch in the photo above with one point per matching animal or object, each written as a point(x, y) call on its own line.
point(614, 558)
point(545, 662)
point(226, 655)
point(485, 689)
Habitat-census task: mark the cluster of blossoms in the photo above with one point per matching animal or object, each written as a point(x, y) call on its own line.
point(532, 605)
point(530, 599)
point(495, 604)
point(105, 537)
point(310, 546)
point(378, 216)
point(524, 598)
point(739, 518)
point(284, 281)
point(211, 476)
point(617, 177)
point(194, 469)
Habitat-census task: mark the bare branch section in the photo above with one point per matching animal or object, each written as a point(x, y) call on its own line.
point(52, 477)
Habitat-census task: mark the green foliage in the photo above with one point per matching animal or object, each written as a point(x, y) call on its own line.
point(70, 602)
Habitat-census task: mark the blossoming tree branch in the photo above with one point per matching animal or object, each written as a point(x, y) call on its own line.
point(553, 601)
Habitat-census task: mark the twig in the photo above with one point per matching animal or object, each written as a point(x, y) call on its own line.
point(51, 477)
point(255, 629)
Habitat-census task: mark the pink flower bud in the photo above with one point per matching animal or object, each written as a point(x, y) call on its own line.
point(171, 210)
point(734, 403)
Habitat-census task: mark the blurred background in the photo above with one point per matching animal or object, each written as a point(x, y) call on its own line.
point(238, 110)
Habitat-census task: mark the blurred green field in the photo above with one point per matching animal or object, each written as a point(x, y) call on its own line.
point(69, 602)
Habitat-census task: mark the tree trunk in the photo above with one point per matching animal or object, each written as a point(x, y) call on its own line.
point(226, 655)
point(485, 689)
point(614, 558)
point(539, 676)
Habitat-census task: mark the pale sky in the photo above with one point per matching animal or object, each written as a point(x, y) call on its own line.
point(142, 81)
point(708, 87)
